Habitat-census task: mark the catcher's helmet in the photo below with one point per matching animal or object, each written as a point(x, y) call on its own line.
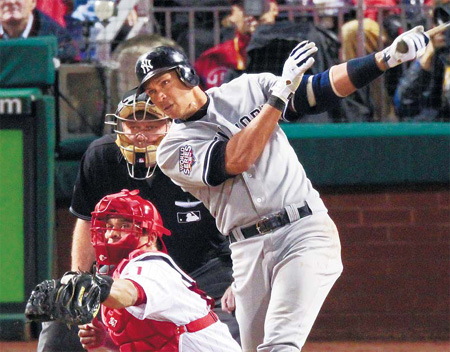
point(126, 205)
point(162, 59)
point(141, 161)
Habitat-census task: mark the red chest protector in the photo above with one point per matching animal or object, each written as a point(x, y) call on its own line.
point(132, 334)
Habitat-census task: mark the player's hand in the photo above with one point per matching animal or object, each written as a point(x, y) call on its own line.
point(299, 61)
point(412, 45)
point(228, 301)
point(92, 335)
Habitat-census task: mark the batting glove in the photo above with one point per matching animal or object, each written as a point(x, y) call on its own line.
point(296, 65)
point(406, 47)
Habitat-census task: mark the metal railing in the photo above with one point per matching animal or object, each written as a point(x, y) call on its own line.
point(165, 22)
point(160, 20)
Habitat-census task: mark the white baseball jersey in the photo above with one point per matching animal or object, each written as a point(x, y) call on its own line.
point(170, 299)
point(276, 180)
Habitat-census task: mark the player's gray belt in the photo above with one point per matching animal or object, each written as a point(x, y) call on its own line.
point(272, 222)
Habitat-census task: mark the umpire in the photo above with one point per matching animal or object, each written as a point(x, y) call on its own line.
point(126, 159)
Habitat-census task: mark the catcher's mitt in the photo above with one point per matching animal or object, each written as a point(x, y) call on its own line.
point(74, 299)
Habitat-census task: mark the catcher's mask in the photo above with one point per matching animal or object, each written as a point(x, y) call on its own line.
point(141, 217)
point(162, 59)
point(139, 111)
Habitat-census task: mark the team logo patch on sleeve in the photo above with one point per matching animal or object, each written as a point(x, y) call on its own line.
point(187, 159)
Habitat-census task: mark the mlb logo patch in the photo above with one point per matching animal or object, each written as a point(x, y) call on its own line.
point(189, 216)
point(187, 159)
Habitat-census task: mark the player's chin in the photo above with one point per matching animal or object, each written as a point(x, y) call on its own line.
point(169, 110)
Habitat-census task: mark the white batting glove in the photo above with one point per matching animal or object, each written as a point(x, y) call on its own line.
point(414, 43)
point(296, 65)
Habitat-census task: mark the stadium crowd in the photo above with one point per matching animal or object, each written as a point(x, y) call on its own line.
point(252, 42)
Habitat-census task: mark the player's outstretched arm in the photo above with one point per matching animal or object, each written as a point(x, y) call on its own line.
point(123, 294)
point(357, 73)
point(321, 92)
point(245, 147)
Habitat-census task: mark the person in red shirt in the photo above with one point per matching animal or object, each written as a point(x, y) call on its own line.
point(56, 9)
point(214, 64)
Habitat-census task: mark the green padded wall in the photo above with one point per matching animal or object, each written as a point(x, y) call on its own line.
point(27, 62)
point(372, 153)
point(11, 219)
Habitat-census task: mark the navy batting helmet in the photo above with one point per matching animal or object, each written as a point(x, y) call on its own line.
point(162, 59)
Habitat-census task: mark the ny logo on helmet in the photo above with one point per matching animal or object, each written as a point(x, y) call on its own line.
point(146, 66)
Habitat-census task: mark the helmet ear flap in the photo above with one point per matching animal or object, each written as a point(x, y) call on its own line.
point(188, 76)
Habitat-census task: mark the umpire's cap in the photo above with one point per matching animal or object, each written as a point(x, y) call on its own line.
point(162, 59)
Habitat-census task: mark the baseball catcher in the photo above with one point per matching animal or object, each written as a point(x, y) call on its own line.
point(147, 302)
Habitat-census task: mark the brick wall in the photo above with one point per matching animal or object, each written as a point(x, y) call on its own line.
point(395, 249)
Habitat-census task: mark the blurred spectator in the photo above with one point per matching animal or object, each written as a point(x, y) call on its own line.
point(270, 45)
point(204, 23)
point(328, 11)
point(272, 37)
point(216, 63)
point(20, 19)
point(423, 93)
point(84, 21)
point(375, 38)
point(372, 30)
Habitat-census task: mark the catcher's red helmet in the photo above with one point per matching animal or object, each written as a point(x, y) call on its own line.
point(131, 207)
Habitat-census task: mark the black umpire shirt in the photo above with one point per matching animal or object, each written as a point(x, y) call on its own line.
point(195, 244)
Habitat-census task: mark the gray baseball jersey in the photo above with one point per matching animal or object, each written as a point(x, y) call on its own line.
point(281, 279)
point(276, 180)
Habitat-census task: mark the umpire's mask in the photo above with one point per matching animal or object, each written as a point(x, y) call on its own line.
point(140, 127)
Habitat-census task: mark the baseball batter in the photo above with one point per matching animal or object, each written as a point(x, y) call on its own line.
point(227, 149)
point(152, 304)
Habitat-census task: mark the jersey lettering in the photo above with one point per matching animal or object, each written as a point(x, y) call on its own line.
point(245, 120)
point(255, 112)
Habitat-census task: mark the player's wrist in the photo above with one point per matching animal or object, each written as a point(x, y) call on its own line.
point(277, 102)
point(105, 283)
point(379, 60)
point(283, 90)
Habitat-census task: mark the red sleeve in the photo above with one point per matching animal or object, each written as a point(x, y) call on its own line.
point(212, 64)
point(243, 40)
point(55, 9)
point(141, 298)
